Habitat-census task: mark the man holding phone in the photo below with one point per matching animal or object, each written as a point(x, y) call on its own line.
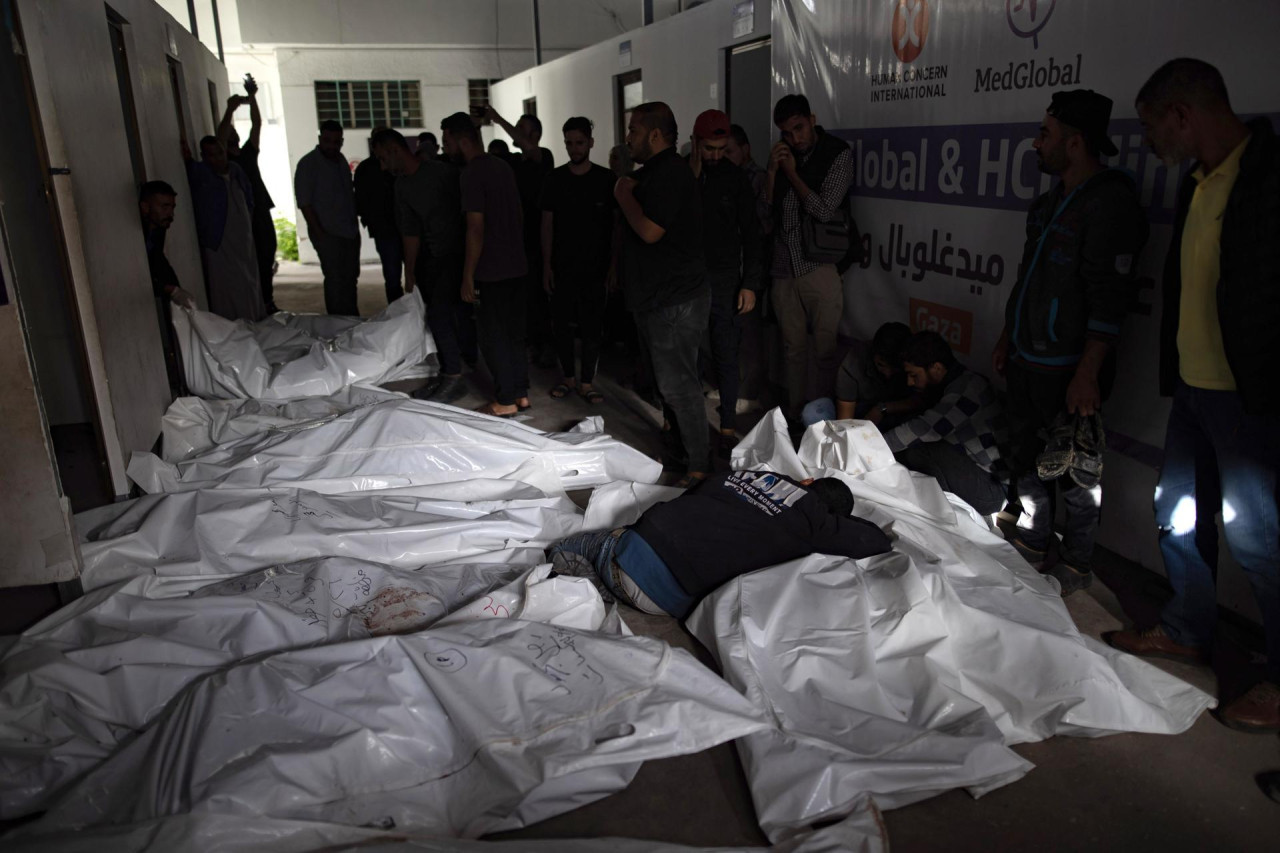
point(808, 178)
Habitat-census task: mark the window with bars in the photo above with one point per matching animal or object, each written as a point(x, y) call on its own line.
point(370, 103)
point(478, 93)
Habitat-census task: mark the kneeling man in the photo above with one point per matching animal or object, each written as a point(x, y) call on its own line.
point(957, 439)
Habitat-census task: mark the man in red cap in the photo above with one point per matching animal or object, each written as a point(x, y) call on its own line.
point(731, 243)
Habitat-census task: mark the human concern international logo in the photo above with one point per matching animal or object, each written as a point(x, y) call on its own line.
point(910, 28)
point(1028, 17)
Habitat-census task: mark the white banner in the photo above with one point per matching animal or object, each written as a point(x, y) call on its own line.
point(940, 101)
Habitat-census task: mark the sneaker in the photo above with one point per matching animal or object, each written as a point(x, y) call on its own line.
point(1090, 441)
point(1059, 450)
point(1070, 578)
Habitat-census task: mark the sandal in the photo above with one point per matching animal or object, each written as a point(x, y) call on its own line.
point(523, 407)
point(491, 410)
point(592, 396)
point(688, 481)
point(560, 391)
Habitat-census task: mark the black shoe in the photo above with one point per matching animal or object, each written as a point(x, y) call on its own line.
point(425, 392)
point(1070, 578)
point(450, 390)
point(725, 443)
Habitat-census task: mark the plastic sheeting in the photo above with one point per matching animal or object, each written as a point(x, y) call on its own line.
point(96, 672)
point(862, 832)
point(192, 425)
point(287, 355)
point(228, 531)
point(457, 730)
point(403, 443)
point(909, 673)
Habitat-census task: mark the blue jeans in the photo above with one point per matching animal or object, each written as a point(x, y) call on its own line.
point(391, 253)
point(1218, 458)
point(816, 411)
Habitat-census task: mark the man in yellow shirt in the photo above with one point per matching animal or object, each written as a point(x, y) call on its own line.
point(1220, 344)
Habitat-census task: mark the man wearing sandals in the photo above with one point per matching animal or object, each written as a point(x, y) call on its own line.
point(1063, 319)
point(494, 265)
point(577, 250)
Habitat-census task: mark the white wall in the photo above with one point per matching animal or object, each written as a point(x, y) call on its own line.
point(681, 60)
point(289, 44)
point(442, 72)
point(84, 128)
point(566, 24)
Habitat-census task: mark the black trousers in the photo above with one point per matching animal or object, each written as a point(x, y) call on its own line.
point(451, 321)
point(264, 244)
point(578, 300)
point(725, 333)
point(500, 320)
point(956, 473)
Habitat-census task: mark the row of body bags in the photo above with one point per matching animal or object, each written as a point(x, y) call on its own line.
point(348, 622)
point(288, 356)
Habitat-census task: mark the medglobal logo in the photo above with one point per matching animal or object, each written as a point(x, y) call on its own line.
point(1025, 19)
point(1028, 75)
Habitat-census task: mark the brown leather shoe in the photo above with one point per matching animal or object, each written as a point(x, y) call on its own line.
point(1256, 711)
point(1154, 642)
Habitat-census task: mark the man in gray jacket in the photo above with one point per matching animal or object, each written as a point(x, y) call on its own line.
point(1063, 318)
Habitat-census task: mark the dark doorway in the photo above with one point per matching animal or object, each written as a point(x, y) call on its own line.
point(747, 82)
point(628, 95)
point(119, 49)
point(531, 107)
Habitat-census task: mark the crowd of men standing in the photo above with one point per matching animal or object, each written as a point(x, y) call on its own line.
point(516, 259)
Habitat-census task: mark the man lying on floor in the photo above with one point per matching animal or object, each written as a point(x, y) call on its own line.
point(726, 526)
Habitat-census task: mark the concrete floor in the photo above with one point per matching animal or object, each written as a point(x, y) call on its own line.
point(1124, 792)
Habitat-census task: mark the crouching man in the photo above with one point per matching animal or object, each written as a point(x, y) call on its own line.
point(957, 439)
point(726, 526)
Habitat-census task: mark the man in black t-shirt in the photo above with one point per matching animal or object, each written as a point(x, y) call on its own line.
point(532, 167)
point(494, 269)
point(663, 274)
point(375, 189)
point(246, 157)
point(731, 524)
point(577, 237)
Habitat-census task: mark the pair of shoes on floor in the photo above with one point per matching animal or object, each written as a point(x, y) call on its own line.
point(1074, 447)
point(442, 389)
